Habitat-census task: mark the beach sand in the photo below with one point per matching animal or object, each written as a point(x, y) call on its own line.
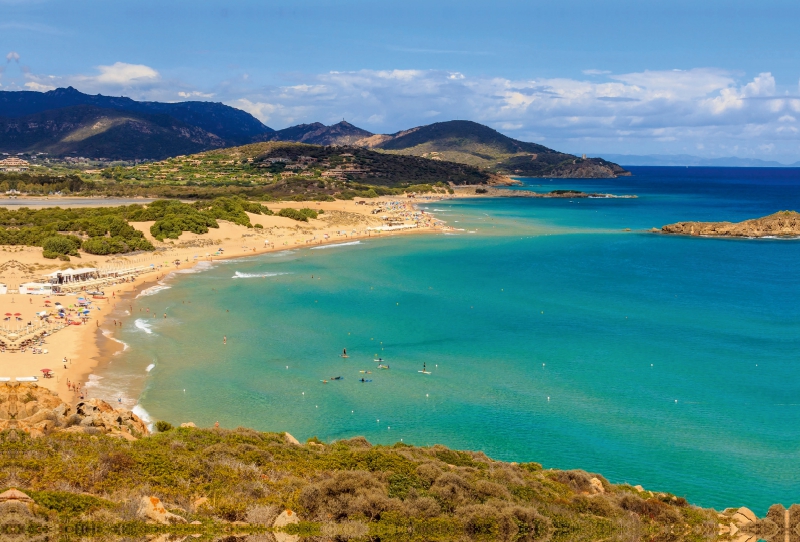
point(86, 346)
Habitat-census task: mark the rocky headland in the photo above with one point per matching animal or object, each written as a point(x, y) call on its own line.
point(780, 224)
point(493, 192)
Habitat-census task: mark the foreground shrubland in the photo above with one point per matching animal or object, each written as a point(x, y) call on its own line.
point(394, 492)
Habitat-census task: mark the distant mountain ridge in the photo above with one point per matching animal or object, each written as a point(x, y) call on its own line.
point(87, 130)
point(65, 122)
point(230, 125)
point(342, 133)
point(682, 160)
point(459, 141)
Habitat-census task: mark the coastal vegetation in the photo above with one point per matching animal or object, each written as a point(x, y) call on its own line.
point(397, 492)
point(263, 171)
point(107, 230)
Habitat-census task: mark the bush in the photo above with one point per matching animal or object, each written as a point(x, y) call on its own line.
point(301, 215)
point(60, 244)
point(162, 426)
point(258, 226)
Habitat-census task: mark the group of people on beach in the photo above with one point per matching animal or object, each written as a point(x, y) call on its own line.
point(76, 389)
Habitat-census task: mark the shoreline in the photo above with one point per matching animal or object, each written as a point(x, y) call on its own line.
point(103, 343)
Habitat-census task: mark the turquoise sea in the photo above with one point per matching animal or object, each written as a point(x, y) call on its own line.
point(551, 335)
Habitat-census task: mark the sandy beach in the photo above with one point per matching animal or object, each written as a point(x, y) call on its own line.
point(88, 345)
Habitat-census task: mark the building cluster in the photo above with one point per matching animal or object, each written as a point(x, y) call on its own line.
point(14, 164)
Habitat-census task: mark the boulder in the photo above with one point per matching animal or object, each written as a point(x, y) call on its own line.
point(743, 516)
point(188, 424)
point(596, 485)
point(290, 439)
point(286, 518)
point(152, 509)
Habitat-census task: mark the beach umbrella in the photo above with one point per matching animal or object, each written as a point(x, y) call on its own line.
point(9, 314)
point(47, 371)
point(17, 314)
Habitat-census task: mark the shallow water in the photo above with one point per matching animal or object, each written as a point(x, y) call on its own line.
point(551, 335)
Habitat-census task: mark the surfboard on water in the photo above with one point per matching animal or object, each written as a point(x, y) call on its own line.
point(424, 372)
point(343, 356)
point(365, 381)
point(365, 372)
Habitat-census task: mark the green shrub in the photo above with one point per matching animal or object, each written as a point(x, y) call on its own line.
point(60, 244)
point(162, 426)
point(301, 215)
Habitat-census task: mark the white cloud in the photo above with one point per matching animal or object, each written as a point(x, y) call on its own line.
point(123, 74)
point(652, 111)
point(39, 87)
point(596, 72)
point(13, 56)
point(648, 111)
point(195, 94)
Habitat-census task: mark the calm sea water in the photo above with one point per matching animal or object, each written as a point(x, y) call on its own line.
point(551, 335)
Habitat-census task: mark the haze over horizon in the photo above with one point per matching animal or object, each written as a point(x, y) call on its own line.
point(713, 80)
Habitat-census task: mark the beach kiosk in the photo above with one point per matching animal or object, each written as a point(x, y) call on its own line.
point(36, 288)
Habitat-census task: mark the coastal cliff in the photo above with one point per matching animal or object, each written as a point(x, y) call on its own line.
point(780, 224)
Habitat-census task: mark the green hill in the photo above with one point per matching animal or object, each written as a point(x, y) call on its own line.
point(471, 143)
point(291, 170)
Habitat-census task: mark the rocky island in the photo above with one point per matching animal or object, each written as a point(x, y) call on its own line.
point(780, 224)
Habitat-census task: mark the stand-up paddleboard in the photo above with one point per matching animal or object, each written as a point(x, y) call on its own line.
point(383, 366)
point(336, 377)
point(365, 381)
point(365, 372)
point(424, 372)
point(324, 381)
point(379, 360)
point(344, 353)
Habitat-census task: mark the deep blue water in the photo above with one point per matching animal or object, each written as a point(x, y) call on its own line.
point(552, 335)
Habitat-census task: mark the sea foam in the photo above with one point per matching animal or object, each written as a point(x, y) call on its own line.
point(337, 245)
point(139, 410)
point(240, 275)
point(150, 367)
point(109, 335)
point(153, 290)
point(143, 325)
point(93, 381)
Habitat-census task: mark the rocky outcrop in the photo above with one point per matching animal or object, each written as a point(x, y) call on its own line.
point(38, 411)
point(491, 192)
point(152, 509)
point(780, 224)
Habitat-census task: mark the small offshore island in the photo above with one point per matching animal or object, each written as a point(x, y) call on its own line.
point(780, 224)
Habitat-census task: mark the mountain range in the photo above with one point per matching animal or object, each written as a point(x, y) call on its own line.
point(66, 122)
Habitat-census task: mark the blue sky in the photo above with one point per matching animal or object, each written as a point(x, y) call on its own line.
point(708, 78)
